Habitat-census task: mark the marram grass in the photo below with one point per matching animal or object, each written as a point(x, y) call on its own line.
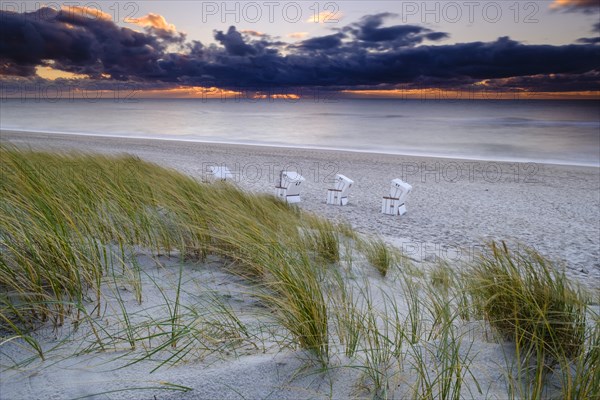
point(64, 217)
point(380, 255)
point(528, 300)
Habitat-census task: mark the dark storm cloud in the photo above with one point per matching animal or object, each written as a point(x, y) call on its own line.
point(234, 42)
point(255, 43)
point(79, 44)
point(370, 32)
point(167, 36)
point(319, 63)
point(365, 54)
point(557, 82)
point(323, 42)
point(592, 40)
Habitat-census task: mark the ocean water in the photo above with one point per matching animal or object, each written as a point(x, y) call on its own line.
point(560, 132)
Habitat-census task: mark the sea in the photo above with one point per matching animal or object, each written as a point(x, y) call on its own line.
point(548, 131)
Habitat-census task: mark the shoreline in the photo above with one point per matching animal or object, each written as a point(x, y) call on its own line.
point(308, 148)
point(455, 206)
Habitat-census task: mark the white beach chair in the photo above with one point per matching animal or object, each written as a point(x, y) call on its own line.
point(339, 194)
point(220, 172)
point(288, 187)
point(394, 204)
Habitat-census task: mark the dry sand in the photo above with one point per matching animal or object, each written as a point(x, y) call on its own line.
point(553, 208)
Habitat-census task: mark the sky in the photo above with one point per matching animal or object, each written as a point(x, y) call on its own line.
point(481, 49)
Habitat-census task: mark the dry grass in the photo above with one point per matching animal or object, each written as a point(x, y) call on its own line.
point(66, 220)
point(380, 255)
point(526, 298)
point(529, 301)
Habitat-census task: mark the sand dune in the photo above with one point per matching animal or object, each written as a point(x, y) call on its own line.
point(455, 206)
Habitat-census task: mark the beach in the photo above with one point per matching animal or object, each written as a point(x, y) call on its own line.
point(364, 200)
point(455, 206)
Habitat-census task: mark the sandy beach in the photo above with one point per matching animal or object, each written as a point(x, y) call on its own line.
point(456, 257)
point(455, 206)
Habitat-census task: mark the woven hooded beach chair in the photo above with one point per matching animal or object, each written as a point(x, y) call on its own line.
point(339, 194)
point(288, 187)
point(394, 204)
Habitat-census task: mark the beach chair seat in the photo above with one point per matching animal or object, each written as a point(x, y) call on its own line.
point(220, 172)
point(394, 204)
point(288, 187)
point(339, 194)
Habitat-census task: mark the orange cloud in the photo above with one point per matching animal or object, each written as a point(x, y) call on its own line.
point(203, 92)
point(297, 35)
point(326, 17)
point(574, 3)
point(189, 92)
point(287, 96)
point(153, 20)
point(252, 33)
point(90, 12)
point(51, 74)
point(444, 94)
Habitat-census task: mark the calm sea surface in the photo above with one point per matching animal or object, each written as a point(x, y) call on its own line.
point(564, 132)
